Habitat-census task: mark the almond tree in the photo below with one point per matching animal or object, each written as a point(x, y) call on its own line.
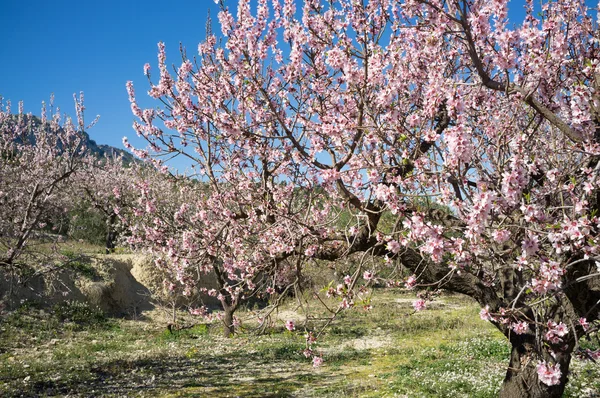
point(107, 186)
point(38, 159)
point(407, 107)
point(223, 229)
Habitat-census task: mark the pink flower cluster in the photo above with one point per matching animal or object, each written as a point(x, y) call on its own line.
point(549, 374)
point(411, 282)
point(555, 332)
point(484, 314)
point(520, 327)
point(419, 305)
point(200, 311)
point(460, 145)
point(549, 277)
point(317, 361)
point(290, 325)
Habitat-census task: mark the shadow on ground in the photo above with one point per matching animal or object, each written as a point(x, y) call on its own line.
point(229, 375)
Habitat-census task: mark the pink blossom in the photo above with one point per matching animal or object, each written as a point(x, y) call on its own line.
point(549, 277)
point(289, 325)
point(150, 207)
point(460, 145)
point(345, 304)
point(393, 246)
point(549, 374)
point(382, 192)
point(484, 314)
point(530, 245)
point(198, 311)
point(368, 275)
point(555, 332)
point(310, 251)
point(419, 305)
point(317, 361)
point(584, 324)
point(411, 281)
point(501, 235)
point(335, 58)
point(551, 175)
point(520, 327)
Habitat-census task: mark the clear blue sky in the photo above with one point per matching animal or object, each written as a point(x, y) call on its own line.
point(67, 46)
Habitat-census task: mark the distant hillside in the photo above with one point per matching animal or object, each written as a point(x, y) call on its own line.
point(99, 150)
point(106, 150)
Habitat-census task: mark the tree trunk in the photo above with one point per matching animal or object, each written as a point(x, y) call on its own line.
point(228, 328)
point(110, 233)
point(521, 377)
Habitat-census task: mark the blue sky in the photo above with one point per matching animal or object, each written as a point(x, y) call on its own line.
point(67, 46)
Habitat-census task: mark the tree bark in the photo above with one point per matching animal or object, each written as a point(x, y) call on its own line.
point(228, 328)
point(110, 233)
point(521, 379)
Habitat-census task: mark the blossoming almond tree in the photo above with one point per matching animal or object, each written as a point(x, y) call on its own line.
point(38, 158)
point(107, 184)
point(202, 235)
point(407, 107)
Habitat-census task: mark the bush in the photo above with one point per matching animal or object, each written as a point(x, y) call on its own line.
point(79, 312)
point(79, 264)
point(87, 223)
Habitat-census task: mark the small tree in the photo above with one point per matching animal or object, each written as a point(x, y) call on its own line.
point(105, 187)
point(198, 239)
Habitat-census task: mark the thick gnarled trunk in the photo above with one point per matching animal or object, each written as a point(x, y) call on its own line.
point(522, 380)
point(228, 328)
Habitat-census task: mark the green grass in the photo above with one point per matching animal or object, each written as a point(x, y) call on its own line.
point(446, 351)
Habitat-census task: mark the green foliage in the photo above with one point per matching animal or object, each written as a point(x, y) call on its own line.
point(80, 313)
point(77, 263)
point(289, 351)
point(174, 334)
point(88, 224)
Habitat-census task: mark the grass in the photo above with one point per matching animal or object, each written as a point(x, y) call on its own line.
point(445, 351)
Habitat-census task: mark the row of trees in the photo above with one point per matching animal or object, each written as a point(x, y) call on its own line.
point(438, 136)
point(480, 134)
point(53, 187)
point(48, 178)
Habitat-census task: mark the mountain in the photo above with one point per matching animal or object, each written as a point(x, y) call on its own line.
point(106, 150)
point(101, 151)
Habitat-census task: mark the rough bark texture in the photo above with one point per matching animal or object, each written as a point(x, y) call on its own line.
point(521, 377)
point(228, 328)
point(583, 291)
point(111, 235)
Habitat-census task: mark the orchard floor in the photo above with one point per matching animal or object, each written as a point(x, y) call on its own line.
point(444, 351)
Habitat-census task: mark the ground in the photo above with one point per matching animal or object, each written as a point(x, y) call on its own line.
point(444, 351)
